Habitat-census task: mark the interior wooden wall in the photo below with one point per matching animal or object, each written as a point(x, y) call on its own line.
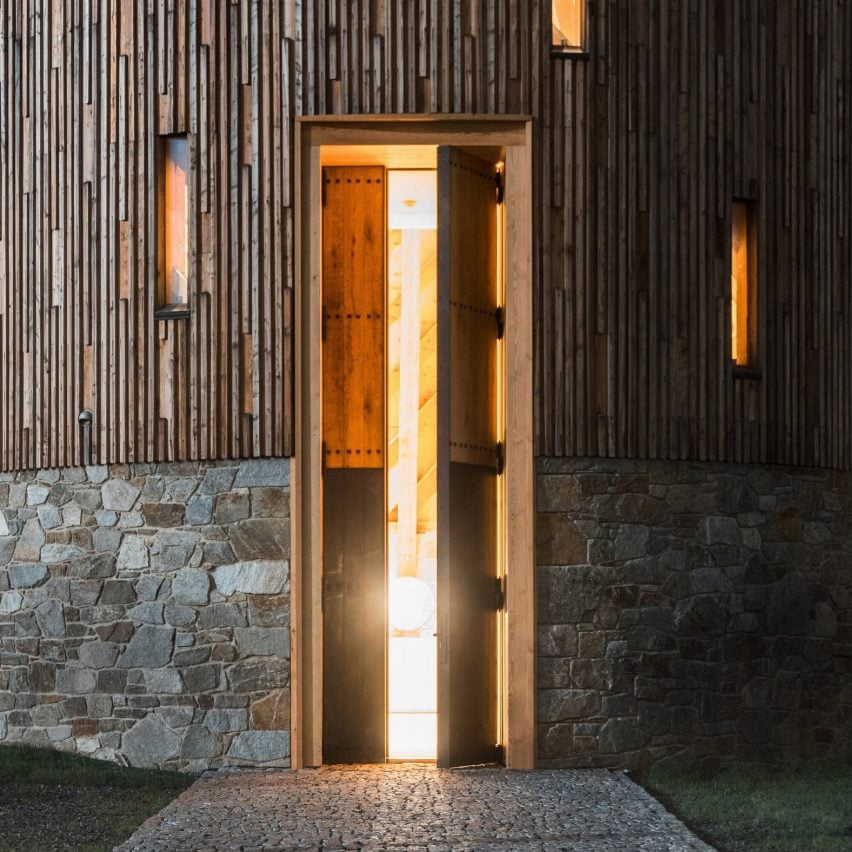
point(680, 106)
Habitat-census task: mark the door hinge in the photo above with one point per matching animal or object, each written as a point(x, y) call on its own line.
point(498, 182)
point(499, 457)
point(500, 319)
point(500, 593)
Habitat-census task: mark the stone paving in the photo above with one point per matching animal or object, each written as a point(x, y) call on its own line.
point(396, 807)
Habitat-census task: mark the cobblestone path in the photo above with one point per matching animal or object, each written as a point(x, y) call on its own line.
point(398, 807)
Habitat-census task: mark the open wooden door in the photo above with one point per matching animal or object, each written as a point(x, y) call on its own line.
point(469, 326)
point(354, 628)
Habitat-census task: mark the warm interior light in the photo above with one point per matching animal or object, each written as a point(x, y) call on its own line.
point(176, 224)
point(740, 282)
point(415, 735)
point(412, 464)
point(410, 603)
point(412, 200)
point(567, 21)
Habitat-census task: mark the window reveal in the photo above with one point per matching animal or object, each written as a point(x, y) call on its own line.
point(174, 228)
point(567, 20)
point(743, 283)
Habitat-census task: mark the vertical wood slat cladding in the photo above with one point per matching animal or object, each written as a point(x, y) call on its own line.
point(680, 107)
point(85, 88)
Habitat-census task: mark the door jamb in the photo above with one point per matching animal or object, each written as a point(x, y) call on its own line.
point(514, 134)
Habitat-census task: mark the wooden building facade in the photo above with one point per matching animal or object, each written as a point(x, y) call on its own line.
point(689, 494)
point(640, 148)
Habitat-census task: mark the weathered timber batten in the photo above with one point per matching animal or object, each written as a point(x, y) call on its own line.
point(640, 149)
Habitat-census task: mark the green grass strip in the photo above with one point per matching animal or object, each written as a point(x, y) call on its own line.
point(806, 810)
point(49, 799)
point(23, 764)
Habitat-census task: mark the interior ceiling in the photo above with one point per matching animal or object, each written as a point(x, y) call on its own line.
point(397, 156)
point(390, 156)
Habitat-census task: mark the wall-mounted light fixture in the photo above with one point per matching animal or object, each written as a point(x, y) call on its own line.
point(85, 419)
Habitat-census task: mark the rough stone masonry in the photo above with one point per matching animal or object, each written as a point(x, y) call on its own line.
point(145, 612)
point(685, 611)
point(699, 612)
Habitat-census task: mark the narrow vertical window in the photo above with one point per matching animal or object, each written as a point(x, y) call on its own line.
point(743, 283)
point(174, 226)
point(568, 25)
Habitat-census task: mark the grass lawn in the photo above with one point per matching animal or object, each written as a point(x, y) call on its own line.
point(808, 810)
point(51, 800)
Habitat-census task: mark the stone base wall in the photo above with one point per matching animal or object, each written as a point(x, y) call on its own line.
point(145, 612)
point(697, 612)
point(686, 611)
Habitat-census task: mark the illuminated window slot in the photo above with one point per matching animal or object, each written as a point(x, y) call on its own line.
point(173, 297)
point(567, 20)
point(742, 283)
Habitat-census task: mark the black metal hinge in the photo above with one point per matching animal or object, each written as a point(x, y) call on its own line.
point(500, 593)
point(501, 323)
point(499, 457)
point(498, 182)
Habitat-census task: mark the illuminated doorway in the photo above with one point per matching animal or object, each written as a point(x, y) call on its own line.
point(412, 457)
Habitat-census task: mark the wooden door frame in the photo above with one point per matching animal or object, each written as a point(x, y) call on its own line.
point(514, 135)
